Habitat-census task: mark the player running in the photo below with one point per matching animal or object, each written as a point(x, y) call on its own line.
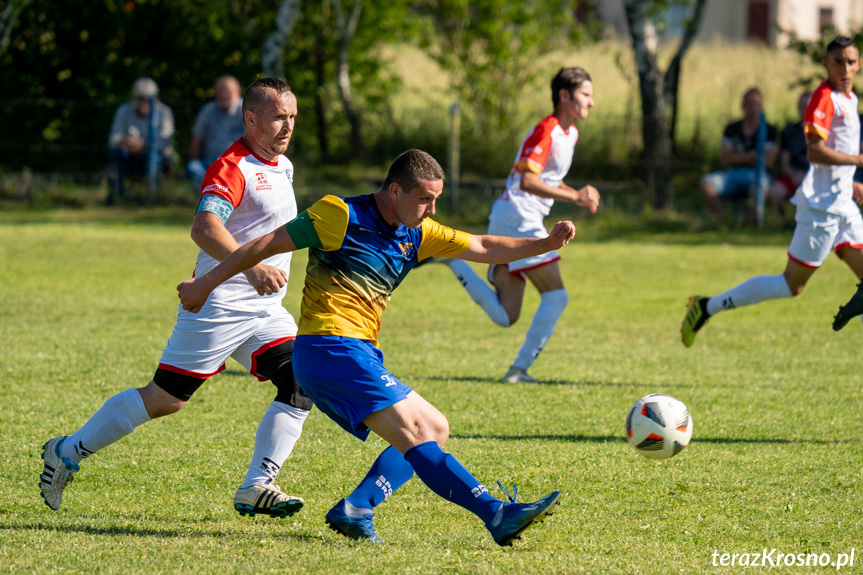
point(360, 249)
point(245, 193)
point(827, 217)
point(534, 183)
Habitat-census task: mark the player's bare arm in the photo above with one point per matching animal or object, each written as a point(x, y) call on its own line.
point(489, 249)
point(587, 196)
point(193, 293)
point(818, 152)
point(211, 235)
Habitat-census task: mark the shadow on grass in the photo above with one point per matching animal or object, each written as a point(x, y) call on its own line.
point(579, 438)
point(89, 529)
point(542, 382)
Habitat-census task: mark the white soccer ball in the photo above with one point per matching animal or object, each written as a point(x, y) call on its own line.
point(658, 426)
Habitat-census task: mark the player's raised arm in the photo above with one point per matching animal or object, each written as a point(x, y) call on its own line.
point(193, 293)
point(490, 249)
point(818, 151)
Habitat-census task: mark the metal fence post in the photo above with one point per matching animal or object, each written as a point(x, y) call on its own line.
point(760, 168)
point(154, 156)
point(454, 156)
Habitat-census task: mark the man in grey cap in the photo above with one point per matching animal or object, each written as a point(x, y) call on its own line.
point(130, 139)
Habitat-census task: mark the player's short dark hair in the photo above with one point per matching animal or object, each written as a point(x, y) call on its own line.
point(840, 43)
point(411, 167)
point(256, 94)
point(567, 79)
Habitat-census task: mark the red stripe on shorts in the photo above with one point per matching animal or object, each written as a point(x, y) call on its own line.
point(264, 349)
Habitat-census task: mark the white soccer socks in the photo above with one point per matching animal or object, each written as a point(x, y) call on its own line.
point(278, 432)
point(480, 292)
point(752, 291)
point(551, 306)
point(116, 419)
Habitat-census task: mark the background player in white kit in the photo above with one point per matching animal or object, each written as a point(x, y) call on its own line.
point(246, 193)
point(534, 183)
point(827, 217)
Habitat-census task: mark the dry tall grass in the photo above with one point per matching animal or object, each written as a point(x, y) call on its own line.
point(713, 80)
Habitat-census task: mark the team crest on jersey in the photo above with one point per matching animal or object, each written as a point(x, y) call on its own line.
point(263, 184)
point(406, 248)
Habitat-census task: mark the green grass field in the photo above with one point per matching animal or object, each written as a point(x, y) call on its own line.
point(87, 302)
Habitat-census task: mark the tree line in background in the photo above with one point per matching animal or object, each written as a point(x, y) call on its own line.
point(60, 55)
point(64, 67)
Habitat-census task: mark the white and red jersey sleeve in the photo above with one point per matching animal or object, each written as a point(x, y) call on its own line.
point(819, 112)
point(547, 151)
point(223, 179)
point(535, 147)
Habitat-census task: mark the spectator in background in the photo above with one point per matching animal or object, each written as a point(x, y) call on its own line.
point(130, 138)
point(738, 157)
point(218, 125)
point(793, 164)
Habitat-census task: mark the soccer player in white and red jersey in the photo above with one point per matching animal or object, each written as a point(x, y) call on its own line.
point(534, 183)
point(827, 217)
point(246, 193)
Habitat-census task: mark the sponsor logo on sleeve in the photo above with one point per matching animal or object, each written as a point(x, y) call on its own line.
point(215, 188)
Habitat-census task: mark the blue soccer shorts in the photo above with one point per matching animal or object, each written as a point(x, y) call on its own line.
point(346, 379)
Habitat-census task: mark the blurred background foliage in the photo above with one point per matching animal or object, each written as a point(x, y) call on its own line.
point(65, 67)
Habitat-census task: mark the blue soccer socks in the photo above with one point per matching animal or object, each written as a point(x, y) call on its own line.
point(389, 472)
point(444, 475)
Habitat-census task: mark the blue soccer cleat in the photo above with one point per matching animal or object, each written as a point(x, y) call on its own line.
point(513, 518)
point(359, 527)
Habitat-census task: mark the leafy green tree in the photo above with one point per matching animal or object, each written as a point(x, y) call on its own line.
point(491, 48)
point(69, 64)
point(9, 12)
point(335, 63)
point(658, 89)
point(814, 50)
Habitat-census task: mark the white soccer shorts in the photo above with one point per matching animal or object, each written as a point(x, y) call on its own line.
point(203, 341)
point(510, 223)
point(818, 233)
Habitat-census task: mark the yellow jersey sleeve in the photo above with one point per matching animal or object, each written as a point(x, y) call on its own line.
point(441, 241)
point(323, 225)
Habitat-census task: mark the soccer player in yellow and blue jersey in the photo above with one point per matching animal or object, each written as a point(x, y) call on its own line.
point(360, 249)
